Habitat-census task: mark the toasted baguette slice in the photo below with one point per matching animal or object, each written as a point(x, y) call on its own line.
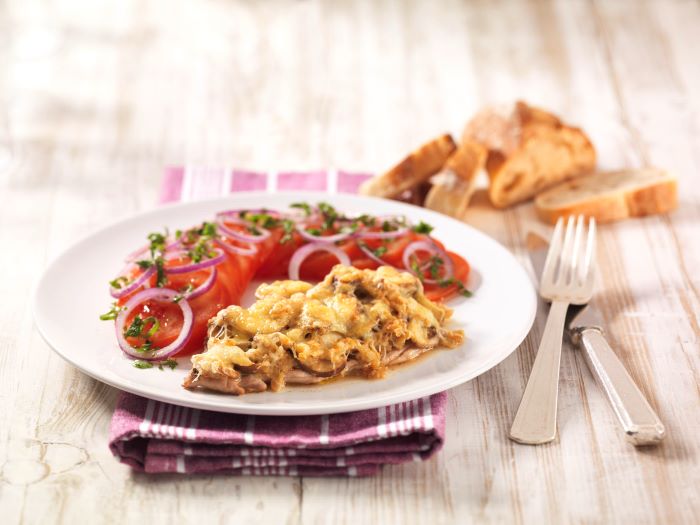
point(610, 196)
point(453, 187)
point(418, 167)
point(530, 150)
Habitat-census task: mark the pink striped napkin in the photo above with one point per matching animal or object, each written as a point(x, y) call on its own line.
point(157, 437)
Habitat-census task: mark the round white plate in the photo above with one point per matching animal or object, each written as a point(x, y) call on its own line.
point(73, 292)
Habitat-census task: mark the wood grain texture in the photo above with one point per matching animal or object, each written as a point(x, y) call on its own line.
point(97, 97)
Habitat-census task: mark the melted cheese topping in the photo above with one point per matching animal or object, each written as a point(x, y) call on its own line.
point(352, 315)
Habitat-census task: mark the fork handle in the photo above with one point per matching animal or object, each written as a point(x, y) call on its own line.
point(639, 421)
point(536, 420)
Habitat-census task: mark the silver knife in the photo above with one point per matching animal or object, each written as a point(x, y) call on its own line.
point(638, 419)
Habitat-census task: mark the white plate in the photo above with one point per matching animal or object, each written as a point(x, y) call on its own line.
point(73, 292)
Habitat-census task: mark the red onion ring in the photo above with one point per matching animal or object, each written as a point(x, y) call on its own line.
point(302, 253)
point(204, 287)
point(141, 279)
point(381, 235)
point(238, 250)
point(301, 228)
point(187, 268)
point(165, 352)
point(426, 246)
point(221, 219)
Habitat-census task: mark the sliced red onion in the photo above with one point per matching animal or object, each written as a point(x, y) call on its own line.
point(433, 249)
point(161, 294)
point(204, 287)
point(301, 228)
point(141, 279)
point(369, 253)
point(193, 267)
point(238, 250)
point(381, 235)
point(302, 253)
point(222, 219)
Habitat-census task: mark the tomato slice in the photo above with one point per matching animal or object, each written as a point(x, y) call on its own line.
point(435, 292)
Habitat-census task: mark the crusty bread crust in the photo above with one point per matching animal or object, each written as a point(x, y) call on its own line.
point(610, 196)
point(453, 187)
point(529, 150)
point(417, 167)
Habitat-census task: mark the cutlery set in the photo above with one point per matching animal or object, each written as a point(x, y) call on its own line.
point(567, 272)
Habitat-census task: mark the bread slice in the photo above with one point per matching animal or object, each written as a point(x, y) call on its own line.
point(418, 167)
point(453, 187)
point(529, 150)
point(610, 196)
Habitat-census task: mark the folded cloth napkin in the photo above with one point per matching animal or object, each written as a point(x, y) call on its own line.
point(157, 437)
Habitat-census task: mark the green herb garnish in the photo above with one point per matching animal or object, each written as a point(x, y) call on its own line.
point(179, 297)
point(435, 264)
point(112, 314)
point(460, 286)
point(170, 363)
point(135, 328)
point(302, 206)
point(119, 282)
point(423, 227)
point(161, 278)
point(288, 227)
point(143, 365)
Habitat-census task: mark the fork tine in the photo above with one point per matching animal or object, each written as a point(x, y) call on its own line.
point(565, 257)
point(588, 274)
point(552, 258)
point(574, 277)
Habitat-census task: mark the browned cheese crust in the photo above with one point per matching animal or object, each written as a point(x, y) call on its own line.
point(355, 321)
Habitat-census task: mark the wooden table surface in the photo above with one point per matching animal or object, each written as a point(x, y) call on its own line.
point(96, 97)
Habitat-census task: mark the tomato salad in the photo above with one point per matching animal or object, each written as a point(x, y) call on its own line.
point(172, 286)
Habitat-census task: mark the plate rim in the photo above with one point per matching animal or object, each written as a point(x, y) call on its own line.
point(339, 406)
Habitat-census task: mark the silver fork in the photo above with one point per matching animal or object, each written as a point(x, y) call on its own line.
point(567, 278)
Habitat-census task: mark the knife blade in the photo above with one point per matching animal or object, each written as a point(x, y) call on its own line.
point(638, 419)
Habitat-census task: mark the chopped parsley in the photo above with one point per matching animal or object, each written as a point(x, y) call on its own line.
point(179, 297)
point(135, 328)
point(161, 278)
point(423, 227)
point(460, 286)
point(435, 264)
point(145, 365)
point(170, 363)
point(199, 242)
point(379, 251)
point(288, 228)
point(119, 282)
point(138, 324)
point(302, 206)
point(112, 314)
point(330, 215)
point(314, 231)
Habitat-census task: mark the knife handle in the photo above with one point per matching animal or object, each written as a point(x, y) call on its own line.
point(639, 421)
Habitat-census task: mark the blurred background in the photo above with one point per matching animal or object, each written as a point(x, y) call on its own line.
point(115, 87)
